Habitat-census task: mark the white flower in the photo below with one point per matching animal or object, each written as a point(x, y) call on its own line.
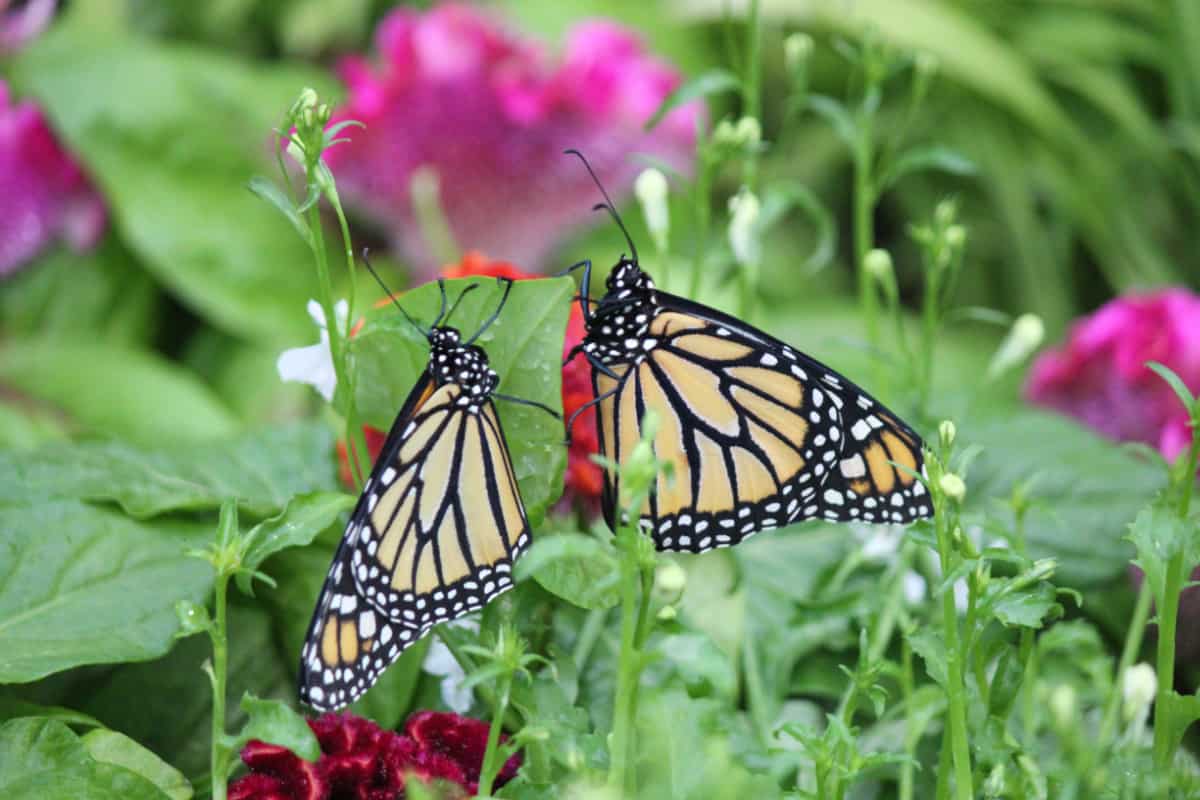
point(651, 191)
point(883, 543)
point(314, 364)
point(914, 587)
point(744, 235)
point(1139, 685)
point(441, 662)
point(1023, 338)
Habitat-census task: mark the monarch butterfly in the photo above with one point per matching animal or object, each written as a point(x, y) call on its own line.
point(437, 528)
point(760, 435)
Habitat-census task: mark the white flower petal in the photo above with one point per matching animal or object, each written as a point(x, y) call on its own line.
point(312, 365)
point(317, 313)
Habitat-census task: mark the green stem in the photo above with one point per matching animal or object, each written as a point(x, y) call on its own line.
point(1133, 646)
point(703, 218)
point(1168, 613)
point(593, 626)
point(359, 455)
point(910, 735)
point(218, 633)
point(628, 670)
point(756, 694)
point(751, 87)
point(491, 756)
point(956, 729)
point(864, 228)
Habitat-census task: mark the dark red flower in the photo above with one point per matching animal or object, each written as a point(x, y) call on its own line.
point(460, 739)
point(361, 761)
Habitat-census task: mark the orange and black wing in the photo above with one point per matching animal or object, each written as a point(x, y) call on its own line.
point(760, 435)
point(434, 536)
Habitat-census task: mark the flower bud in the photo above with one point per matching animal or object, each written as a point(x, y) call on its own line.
point(1023, 338)
point(946, 433)
point(1063, 703)
point(670, 578)
point(667, 614)
point(651, 190)
point(306, 101)
point(956, 237)
point(748, 132)
point(944, 213)
point(796, 50)
point(953, 487)
point(1139, 685)
point(878, 264)
point(744, 236)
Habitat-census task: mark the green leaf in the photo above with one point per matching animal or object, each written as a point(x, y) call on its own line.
point(276, 723)
point(42, 759)
point(388, 701)
point(268, 190)
point(305, 517)
point(1026, 607)
point(87, 586)
point(172, 712)
point(15, 708)
point(1159, 535)
point(697, 663)
point(710, 82)
point(838, 117)
point(172, 152)
point(1177, 714)
point(578, 568)
point(928, 643)
point(110, 747)
point(929, 157)
point(524, 347)
point(1087, 489)
point(1176, 383)
point(108, 389)
point(263, 470)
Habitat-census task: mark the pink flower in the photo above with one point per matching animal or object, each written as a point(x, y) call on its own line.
point(1100, 378)
point(19, 25)
point(361, 761)
point(490, 114)
point(45, 195)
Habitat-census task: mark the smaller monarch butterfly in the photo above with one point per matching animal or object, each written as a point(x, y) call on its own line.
point(760, 435)
point(437, 528)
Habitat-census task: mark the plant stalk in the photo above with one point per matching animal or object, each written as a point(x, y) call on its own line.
point(218, 633)
point(956, 729)
point(491, 766)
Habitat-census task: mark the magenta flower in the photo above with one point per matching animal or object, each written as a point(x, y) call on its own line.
point(490, 114)
point(1099, 376)
point(20, 24)
point(45, 195)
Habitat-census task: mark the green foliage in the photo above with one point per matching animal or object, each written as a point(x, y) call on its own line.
point(87, 586)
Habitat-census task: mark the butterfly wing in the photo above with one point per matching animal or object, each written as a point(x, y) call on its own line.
point(759, 434)
point(434, 536)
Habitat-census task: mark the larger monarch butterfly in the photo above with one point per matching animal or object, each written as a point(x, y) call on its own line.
point(760, 434)
point(437, 528)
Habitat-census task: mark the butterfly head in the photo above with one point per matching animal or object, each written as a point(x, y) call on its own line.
point(627, 279)
point(467, 365)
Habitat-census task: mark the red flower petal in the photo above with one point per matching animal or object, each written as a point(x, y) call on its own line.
point(461, 739)
point(288, 775)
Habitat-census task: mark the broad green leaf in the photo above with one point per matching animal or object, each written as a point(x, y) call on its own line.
point(276, 723)
point(103, 295)
point(711, 82)
point(1159, 535)
point(388, 702)
point(43, 760)
point(15, 708)
point(695, 662)
point(172, 714)
point(172, 151)
point(264, 470)
point(838, 117)
point(305, 517)
point(23, 428)
point(1086, 490)
point(87, 586)
point(524, 347)
point(107, 389)
point(578, 568)
point(110, 747)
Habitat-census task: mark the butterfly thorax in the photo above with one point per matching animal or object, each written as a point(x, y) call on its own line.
point(450, 361)
point(619, 330)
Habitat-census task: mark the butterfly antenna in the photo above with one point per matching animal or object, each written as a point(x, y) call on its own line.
point(508, 284)
point(391, 296)
point(608, 203)
point(470, 287)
